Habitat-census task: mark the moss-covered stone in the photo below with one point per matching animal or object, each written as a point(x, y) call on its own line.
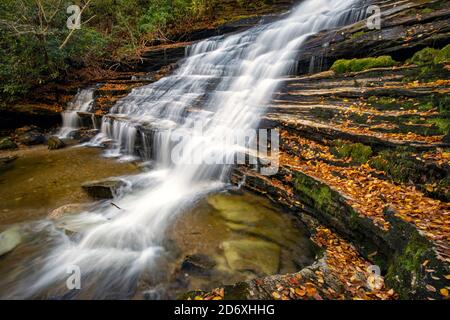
point(400, 165)
point(7, 144)
point(356, 65)
point(431, 64)
point(407, 272)
point(431, 56)
point(358, 152)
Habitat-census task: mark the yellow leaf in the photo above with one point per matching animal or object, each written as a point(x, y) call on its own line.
point(300, 292)
point(444, 292)
point(310, 291)
point(276, 295)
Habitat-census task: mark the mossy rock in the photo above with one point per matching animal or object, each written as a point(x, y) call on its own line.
point(55, 143)
point(409, 270)
point(431, 56)
point(356, 65)
point(401, 166)
point(7, 144)
point(358, 152)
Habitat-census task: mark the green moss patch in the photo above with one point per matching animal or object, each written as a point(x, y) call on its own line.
point(358, 152)
point(356, 65)
point(431, 56)
point(431, 64)
point(407, 273)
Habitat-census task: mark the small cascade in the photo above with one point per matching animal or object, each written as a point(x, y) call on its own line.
point(82, 102)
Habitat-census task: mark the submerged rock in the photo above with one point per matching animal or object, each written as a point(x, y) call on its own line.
point(258, 256)
point(9, 239)
point(103, 189)
point(68, 209)
point(8, 159)
point(198, 264)
point(235, 211)
point(55, 143)
point(7, 144)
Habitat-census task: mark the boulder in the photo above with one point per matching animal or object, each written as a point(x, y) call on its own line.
point(9, 239)
point(259, 256)
point(198, 264)
point(103, 189)
point(55, 143)
point(30, 135)
point(7, 144)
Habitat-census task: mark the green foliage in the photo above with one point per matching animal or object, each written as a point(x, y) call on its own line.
point(30, 40)
point(32, 31)
point(357, 151)
point(161, 13)
point(355, 65)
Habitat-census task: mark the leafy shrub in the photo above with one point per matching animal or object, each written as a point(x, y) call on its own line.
point(355, 65)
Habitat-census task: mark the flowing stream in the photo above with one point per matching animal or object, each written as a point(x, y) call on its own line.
point(224, 84)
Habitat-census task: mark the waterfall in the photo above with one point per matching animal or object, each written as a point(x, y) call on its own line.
point(82, 102)
point(225, 83)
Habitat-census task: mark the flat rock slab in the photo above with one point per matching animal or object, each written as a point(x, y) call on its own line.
point(8, 159)
point(9, 239)
point(103, 189)
point(258, 256)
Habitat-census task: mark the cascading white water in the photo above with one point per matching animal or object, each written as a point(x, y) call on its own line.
point(82, 102)
point(230, 79)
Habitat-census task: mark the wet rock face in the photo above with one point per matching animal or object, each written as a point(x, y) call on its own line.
point(103, 189)
point(55, 143)
point(7, 144)
point(406, 27)
point(84, 135)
